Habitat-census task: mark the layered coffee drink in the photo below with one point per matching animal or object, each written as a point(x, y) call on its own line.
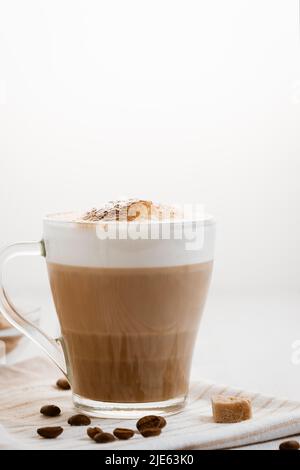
point(129, 281)
point(129, 309)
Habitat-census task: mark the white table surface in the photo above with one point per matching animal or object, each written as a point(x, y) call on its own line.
point(244, 340)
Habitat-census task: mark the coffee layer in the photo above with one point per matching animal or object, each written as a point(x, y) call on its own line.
point(129, 333)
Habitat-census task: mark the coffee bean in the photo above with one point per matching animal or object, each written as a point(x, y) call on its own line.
point(91, 432)
point(150, 432)
point(63, 384)
point(104, 437)
point(123, 433)
point(50, 432)
point(289, 445)
point(79, 420)
point(50, 410)
point(151, 421)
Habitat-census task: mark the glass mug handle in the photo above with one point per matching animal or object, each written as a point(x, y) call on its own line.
point(52, 346)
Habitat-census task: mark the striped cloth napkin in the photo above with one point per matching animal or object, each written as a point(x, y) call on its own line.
point(25, 387)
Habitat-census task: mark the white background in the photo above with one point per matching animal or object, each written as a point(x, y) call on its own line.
point(192, 101)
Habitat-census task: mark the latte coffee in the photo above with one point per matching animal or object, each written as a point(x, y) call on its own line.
point(129, 333)
point(129, 281)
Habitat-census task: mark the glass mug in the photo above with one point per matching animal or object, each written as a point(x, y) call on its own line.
point(128, 307)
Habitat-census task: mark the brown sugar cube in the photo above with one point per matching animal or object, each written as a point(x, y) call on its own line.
point(230, 409)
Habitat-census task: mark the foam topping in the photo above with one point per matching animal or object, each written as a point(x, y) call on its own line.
point(130, 210)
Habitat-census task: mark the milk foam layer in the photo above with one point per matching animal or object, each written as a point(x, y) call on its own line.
point(74, 243)
point(131, 210)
